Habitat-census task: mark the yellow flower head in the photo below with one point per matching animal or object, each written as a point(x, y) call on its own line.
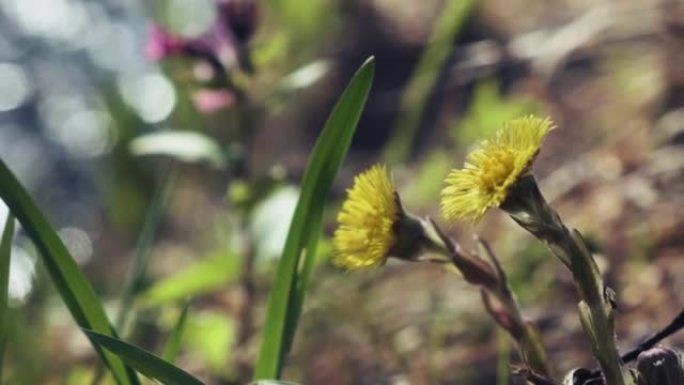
point(492, 168)
point(365, 231)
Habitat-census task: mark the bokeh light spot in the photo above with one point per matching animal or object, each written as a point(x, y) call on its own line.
point(152, 96)
point(78, 243)
point(22, 271)
point(14, 87)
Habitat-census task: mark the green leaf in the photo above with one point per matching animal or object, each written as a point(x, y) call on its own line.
point(300, 247)
point(5, 250)
point(143, 361)
point(73, 287)
point(304, 76)
point(173, 345)
point(203, 277)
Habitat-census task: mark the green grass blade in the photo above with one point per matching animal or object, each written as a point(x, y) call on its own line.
point(73, 287)
point(143, 361)
point(290, 284)
point(5, 250)
point(173, 345)
point(424, 77)
point(144, 246)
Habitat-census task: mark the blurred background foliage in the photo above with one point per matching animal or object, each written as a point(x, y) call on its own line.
point(171, 182)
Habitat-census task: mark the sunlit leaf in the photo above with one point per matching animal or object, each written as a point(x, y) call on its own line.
point(299, 252)
point(305, 76)
point(211, 335)
point(187, 146)
point(203, 277)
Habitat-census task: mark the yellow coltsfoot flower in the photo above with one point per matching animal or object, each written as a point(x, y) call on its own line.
point(493, 168)
point(365, 233)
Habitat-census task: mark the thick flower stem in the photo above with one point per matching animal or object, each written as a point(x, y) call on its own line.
point(527, 206)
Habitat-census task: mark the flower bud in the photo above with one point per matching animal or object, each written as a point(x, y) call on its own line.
point(581, 376)
point(241, 17)
point(660, 366)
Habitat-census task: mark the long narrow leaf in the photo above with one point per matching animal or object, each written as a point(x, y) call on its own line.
point(173, 344)
point(74, 288)
point(143, 361)
point(295, 308)
point(5, 250)
point(290, 284)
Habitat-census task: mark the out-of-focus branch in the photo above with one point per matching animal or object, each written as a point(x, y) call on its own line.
point(547, 50)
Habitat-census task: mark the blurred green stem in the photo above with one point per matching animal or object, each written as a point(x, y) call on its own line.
point(527, 206)
point(173, 344)
point(136, 277)
point(246, 311)
point(503, 361)
point(439, 46)
point(238, 150)
point(247, 120)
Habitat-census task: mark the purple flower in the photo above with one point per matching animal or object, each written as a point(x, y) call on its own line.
point(161, 44)
point(236, 22)
point(216, 45)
